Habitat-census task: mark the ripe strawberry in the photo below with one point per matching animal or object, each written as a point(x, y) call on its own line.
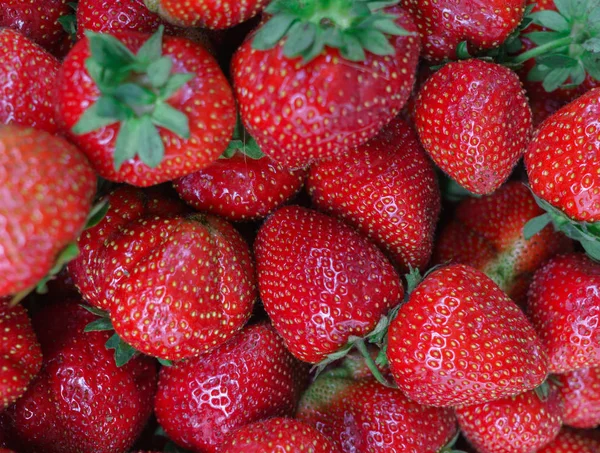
point(81, 402)
point(321, 282)
point(334, 98)
point(572, 442)
point(175, 286)
point(487, 234)
point(169, 104)
point(459, 340)
point(580, 390)
point(20, 353)
point(517, 424)
point(387, 189)
point(564, 301)
point(47, 187)
point(474, 121)
point(249, 378)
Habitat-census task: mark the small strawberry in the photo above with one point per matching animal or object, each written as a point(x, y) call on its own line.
point(459, 340)
point(387, 189)
point(572, 442)
point(564, 305)
point(47, 189)
point(474, 121)
point(580, 390)
point(352, 77)
point(249, 378)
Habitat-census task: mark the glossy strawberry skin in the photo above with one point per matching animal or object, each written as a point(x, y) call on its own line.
point(47, 189)
point(580, 390)
point(387, 189)
point(460, 340)
point(569, 441)
point(299, 113)
point(240, 188)
point(563, 304)
point(321, 282)
point(474, 120)
point(207, 100)
point(560, 156)
point(249, 378)
point(518, 424)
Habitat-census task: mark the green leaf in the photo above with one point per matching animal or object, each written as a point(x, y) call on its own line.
point(538, 73)
point(152, 48)
point(375, 42)
point(551, 19)
point(592, 44)
point(159, 72)
point(123, 351)
point(97, 213)
point(151, 149)
point(109, 107)
point(91, 121)
point(252, 150)
point(351, 48)
point(535, 225)
point(69, 24)
point(172, 119)
point(164, 362)
point(555, 78)
point(175, 82)
point(564, 7)
point(462, 51)
point(99, 325)
point(557, 61)
point(316, 49)
point(134, 95)
point(333, 37)
point(413, 278)
point(390, 27)
point(591, 62)
point(592, 248)
point(128, 142)
point(273, 31)
point(299, 39)
point(108, 51)
point(577, 74)
point(94, 310)
point(543, 37)
point(380, 4)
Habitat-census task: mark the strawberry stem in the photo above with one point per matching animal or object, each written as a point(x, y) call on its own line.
point(542, 50)
point(362, 348)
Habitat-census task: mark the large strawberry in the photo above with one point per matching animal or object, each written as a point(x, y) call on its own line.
point(47, 187)
point(249, 378)
point(564, 305)
point(569, 441)
point(174, 286)
point(474, 121)
point(460, 340)
point(331, 84)
point(143, 110)
point(580, 390)
point(387, 189)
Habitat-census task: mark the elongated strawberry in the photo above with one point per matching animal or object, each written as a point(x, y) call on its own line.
point(580, 391)
point(387, 189)
point(474, 121)
point(569, 441)
point(340, 74)
point(249, 378)
point(459, 340)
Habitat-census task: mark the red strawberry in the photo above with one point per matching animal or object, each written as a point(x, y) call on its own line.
point(321, 282)
point(81, 402)
point(20, 353)
point(572, 442)
point(487, 234)
point(459, 340)
point(249, 378)
point(387, 189)
point(47, 188)
point(27, 77)
point(278, 435)
point(580, 390)
point(331, 100)
point(175, 286)
point(169, 104)
point(474, 120)
point(517, 424)
point(564, 305)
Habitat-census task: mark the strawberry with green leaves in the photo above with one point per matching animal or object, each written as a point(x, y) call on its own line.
point(145, 110)
point(580, 391)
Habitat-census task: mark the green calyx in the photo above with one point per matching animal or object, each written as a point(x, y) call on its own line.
point(242, 142)
point(308, 26)
point(449, 447)
point(135, 90)
point(69, 22)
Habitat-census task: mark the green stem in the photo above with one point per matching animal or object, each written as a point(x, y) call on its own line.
point(362, 348)
point(541, 50)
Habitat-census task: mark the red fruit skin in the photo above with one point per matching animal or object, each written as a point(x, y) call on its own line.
point(249, 378)
point(207, 100)
point(580, 390)
point(474, 120)
point(81, 401)
point(321, 282)
point(47, 187)
point(443, 25)
point(562, 158)
point(387, 189)
point(517, 424)
point(572, 441)
point(459, 340)
point(240, 188)
point(299, 113)
point(20, 353)
point(564, 304)
point(27, 77)
point(487, 234)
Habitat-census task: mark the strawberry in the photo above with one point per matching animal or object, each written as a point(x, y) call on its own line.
point(323, 285)
point(149, 111)
point(20, 353)
point(564, 301)
point(387, 189)
point(459, 340)
point(487, 234)
point(278, 434)
point(249, 378)
point(580, 390)
point(81, 402)
point(474, 121)
point(517, 424)
point(175, 286)
point(47, 189)
point(572, 442)
point(349, 82)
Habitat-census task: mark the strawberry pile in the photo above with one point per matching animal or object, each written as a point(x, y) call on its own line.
point(299, 226)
